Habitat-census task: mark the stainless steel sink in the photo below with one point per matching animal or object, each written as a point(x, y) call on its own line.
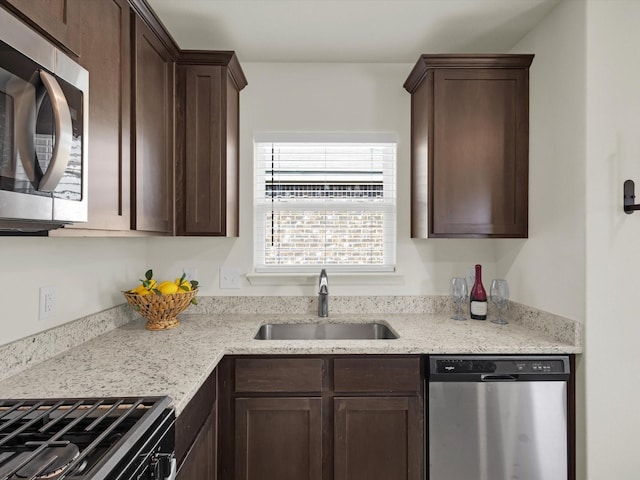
point(325, 331)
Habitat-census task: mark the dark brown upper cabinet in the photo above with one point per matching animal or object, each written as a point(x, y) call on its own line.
point(60, 20)
point(469, 146)
point(145, 176)
point(130, 169)
point(106, 54)
point(208, 88)
point(152, 164)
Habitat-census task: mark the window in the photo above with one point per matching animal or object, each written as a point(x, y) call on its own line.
point(325, 201)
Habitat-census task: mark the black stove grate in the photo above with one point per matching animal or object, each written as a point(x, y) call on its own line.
point(35, 435)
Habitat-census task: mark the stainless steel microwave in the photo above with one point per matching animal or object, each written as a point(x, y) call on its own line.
point(44, 98)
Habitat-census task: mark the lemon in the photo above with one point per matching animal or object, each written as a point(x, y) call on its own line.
point(183, 284)
point(167, 288)
point(143, 289)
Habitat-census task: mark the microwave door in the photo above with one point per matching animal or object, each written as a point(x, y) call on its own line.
point(7, 145)
point(17, 118)
point(24, 98)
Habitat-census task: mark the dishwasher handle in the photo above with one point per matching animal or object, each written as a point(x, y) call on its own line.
point(489, 377)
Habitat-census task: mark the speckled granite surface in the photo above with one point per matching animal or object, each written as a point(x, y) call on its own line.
point(22, 354)
point(337, 305)
point(130, 360)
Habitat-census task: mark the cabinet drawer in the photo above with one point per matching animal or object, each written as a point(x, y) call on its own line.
point(353, 375)
point(279, 375)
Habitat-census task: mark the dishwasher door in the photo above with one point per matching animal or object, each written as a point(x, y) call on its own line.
point(498, 425)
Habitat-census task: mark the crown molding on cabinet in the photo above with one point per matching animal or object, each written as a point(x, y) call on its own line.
point(222, 58)
point(146, 13)
point(427, 62)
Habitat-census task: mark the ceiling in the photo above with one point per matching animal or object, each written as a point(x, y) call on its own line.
point(387, 31)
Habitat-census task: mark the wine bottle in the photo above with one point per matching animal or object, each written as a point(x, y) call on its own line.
point(478, 298)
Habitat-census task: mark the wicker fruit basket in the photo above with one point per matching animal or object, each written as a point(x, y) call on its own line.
point(160, 310)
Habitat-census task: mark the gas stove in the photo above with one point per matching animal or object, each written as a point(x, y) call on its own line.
point(87, 439)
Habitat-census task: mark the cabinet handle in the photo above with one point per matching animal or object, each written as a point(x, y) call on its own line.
point(64, 132)
point(498, 378)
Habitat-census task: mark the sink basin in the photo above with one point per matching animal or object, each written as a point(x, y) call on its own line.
point(325, 331)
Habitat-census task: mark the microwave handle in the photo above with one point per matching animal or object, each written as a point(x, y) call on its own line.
point(64, 134)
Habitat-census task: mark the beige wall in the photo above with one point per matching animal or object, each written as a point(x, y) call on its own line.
point(87, 273)
point(613, 238)
point(547, 270)
point(582, 251)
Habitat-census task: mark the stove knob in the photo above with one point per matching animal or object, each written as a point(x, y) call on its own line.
point(154, 468)
point(173, 467)
point(164, 466)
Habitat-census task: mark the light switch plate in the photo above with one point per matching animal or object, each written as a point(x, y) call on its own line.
point(229, 277)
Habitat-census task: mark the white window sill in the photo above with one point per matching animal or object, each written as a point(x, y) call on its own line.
point(336, 278)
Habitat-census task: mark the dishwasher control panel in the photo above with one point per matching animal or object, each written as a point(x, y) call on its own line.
point(497, 367)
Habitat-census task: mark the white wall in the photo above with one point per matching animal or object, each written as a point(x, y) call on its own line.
point(326, 97)
point(547, 270)
point(583, 250)
point(88, 275)
point(612, 355)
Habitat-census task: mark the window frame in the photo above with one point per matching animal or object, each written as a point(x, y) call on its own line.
point(388, 206)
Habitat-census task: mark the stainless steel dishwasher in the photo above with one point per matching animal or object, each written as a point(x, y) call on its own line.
point(498, 418)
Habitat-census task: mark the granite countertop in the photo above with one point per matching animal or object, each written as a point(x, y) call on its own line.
point(132, 361)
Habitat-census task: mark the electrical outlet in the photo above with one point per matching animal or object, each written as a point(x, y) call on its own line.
point(47, 303)
point(190, 273)
point(229, 278)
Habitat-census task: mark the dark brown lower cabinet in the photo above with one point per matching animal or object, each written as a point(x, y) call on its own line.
point(377, 438)
point(200, 461)
point(278, 439)
point(347, 417)
point(196, 434)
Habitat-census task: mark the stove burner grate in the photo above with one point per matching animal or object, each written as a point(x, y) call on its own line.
point(55, 439)
point(49, 463)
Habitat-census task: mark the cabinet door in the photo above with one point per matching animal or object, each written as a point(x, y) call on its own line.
point(59, 19)
point(479, 164)
point(278, 439)
point(106, 54)
point(152, 174)
point(378, 438)
point(207, 196)
point(204, 168)
point(200, 461)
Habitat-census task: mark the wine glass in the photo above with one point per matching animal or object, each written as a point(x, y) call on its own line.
point(499, 296)
point(459, 293)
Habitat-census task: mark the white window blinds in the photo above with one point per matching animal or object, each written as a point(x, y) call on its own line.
point(325, 203)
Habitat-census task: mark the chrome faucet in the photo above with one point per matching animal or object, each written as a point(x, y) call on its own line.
point(323, 295)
